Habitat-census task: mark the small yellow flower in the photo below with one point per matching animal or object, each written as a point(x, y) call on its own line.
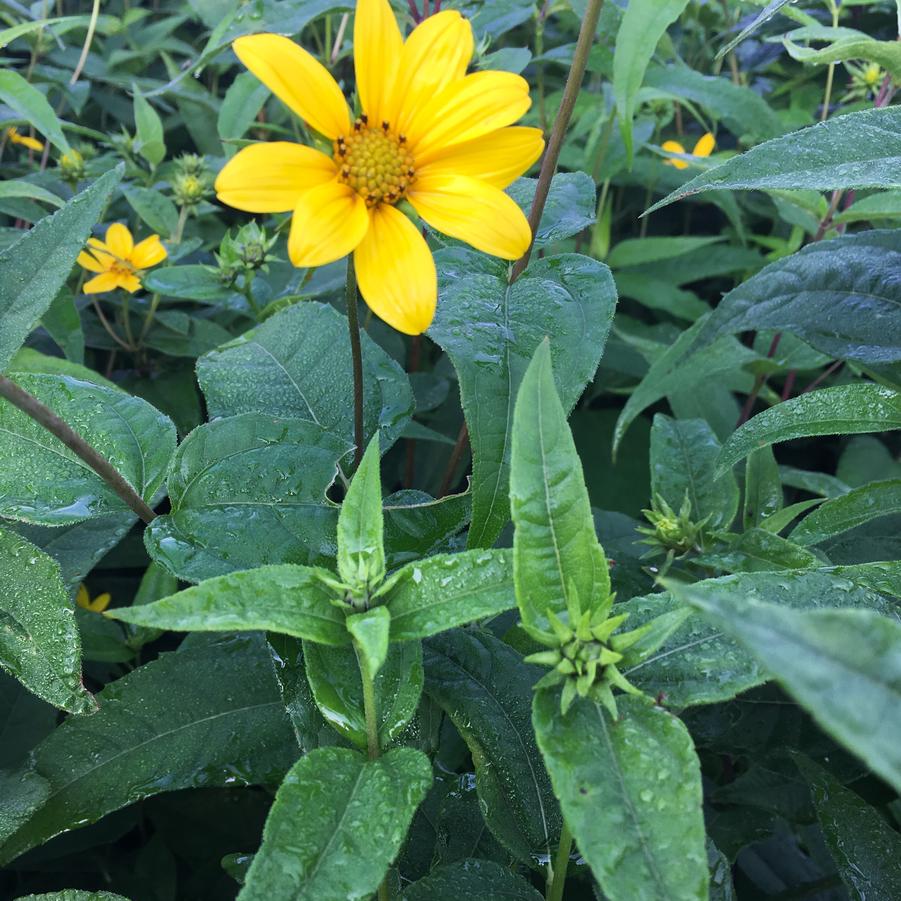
point(119, 262)
point(98, 605)
point(24, 140)
point(428, 134)
point(703, 148)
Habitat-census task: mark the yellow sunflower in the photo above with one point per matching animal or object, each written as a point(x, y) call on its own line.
point(428, 133)
point(97, 605)
point(118, 261)
point(24, 140)
point(704, 147)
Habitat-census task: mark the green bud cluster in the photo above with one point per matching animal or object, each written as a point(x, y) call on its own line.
point(245, 251)
point(71, 166)
point(192, 181)
point(671, 531)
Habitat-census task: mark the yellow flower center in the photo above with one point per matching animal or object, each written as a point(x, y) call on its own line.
point(122, 268)
point(375, 162)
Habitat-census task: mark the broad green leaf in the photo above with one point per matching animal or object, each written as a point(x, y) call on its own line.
point(42, 481)
point(228, 727)
point(449, 590)
point(24, 721)
point(471, 878)
point(23, 791)
point(39, 641)
point(840, 296)
point(150, 142)
point(702, 664)
point(63, 324)
point(842, 666)
point(849, 511)
point(242, 102)
point(361, 545)
point(843, 410)
point(21, 188)
point(27, 102)
point(643, 25)
point(482, 684)
point(569, 209)
point(874, 208)
point(34, 268)
point(292, 600)
point(683, 458)
point(857, 150)
point(161, 214)
point(886, 53)
point(371, 630)
point(192, 282)
point(865, 848)
point(741, 109)
point(245, 469)
point(641, 251)
point(555, 549)
point(763, 489)
point(297, 365)
point(418, 525)
point(334, 677)
point(337, 823)
point(72, 894)
point(630, 791)
point(490, 330)
point(757, 550)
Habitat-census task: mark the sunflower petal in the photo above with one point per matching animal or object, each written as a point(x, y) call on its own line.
point(329, 222)
point(674, 147)
point(119, 241)
point(377, 50)
point(436, 53)
point(396, 272)
point(467, 109)
point(475, 212)
point(269, 178)
point(498, 158)
point(298, 79)
point(90, 262)
point(705, 145)
point(148, 252)
point(130, 283)
point(100, 284)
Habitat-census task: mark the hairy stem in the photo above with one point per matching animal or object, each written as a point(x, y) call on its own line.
point(561, 864)
point(555, 143)
point(356, 351)
point(45, 417)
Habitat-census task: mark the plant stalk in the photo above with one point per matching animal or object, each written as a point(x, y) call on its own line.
point(561, 865)
point(45, 417)
point(555, 143)
point(356, 351)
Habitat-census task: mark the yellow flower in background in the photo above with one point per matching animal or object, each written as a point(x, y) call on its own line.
point(428, 134)
point(703, 148)
point(24, 140)
point(97, 605)
point(118, 261)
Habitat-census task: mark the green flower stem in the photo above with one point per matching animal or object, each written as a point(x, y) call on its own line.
point(45, 417)
point(148, 319)
point(356, 350)
point(555, 143)
point(180, 227)
point(561, 865)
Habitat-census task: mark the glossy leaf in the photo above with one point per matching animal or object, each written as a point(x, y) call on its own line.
point(849, 511)
point(34, 268)
point(842, 666)
point(30, 104)
point(297, 365)
point(334, 677)
point(865, 848)
point(631, 794)
point(39, 641)
point(229, 727)
point(683, 459)
point(336, 825)
point(361, 546)
point(843, 410)
point(149, 140)
point(485, 688)
point(555, 548)
point(471, 878)
point(292, 600)
point(449, 590)
point(490, 330)
point(42, 481)
point(370, 631)
point(857, 150)
point(245, 469)
point(763, 491)
point(570, 206)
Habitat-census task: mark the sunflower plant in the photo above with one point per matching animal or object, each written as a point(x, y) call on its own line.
point(563, 567)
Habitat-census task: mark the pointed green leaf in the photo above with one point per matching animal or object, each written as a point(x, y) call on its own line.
point(555, 548)
point(843, 410)
point(471, 878)
point(150, 142)
point(28, 103)
point(450, 590)
point(843, 666)
point(763, 489)
point(361, 546)
point(370, 631)
point(849, 511)
point(337, 823)
point(631, 795)
point(39, 641)
point(292, 600)
point(34, 268)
